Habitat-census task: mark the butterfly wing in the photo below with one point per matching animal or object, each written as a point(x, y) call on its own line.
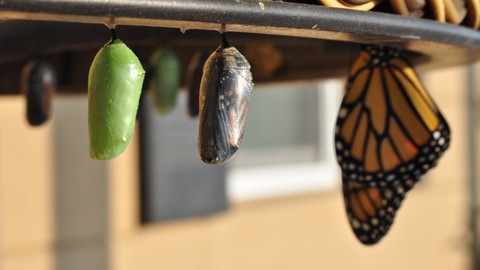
point(389, 133)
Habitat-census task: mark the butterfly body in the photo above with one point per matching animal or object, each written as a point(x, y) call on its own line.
point(389, 133)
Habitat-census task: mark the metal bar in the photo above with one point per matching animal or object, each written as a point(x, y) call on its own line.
point(263, 17)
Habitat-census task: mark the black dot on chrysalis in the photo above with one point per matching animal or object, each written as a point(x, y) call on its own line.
point(225, 92)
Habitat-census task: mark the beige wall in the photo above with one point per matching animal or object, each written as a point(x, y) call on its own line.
point(26, 194)
point(85, 215)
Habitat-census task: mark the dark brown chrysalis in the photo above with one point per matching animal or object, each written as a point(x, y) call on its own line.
point(38, 83)
point(194, 79)
point(225, 92)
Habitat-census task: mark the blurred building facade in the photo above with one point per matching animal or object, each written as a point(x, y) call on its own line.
point(61, 210)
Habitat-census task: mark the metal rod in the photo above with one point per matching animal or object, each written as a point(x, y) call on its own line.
point(286, 19)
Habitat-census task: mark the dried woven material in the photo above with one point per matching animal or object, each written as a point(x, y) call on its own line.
point(351, 4)
point(451, 11)
point(437, 8)
point(455, 11)
point(473, 14)
point(466, 12)
point(412, 8)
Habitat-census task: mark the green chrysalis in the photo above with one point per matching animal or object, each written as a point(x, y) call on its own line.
point(114, 86)
point(166, 79)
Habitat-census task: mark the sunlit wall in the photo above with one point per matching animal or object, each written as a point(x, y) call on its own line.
point(60, 210)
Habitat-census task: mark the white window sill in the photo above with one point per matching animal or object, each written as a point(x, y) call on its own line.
point(263, 182)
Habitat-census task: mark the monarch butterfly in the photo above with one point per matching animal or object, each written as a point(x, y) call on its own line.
point(389, 133)
point(225, 92)
point(166, 80)
point(38, 83)
point(194, 78)
point(114, 85)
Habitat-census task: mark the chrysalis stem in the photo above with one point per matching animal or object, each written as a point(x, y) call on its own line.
point(225, 43)
point(114, 34)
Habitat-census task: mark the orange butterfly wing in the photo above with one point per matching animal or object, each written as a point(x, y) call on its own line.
point(389, 133)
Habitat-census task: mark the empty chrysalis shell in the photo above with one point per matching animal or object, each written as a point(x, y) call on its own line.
point(224, 96)
point(194, 79)
point(38, 83)
point(166, 79)
point(114, 86)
